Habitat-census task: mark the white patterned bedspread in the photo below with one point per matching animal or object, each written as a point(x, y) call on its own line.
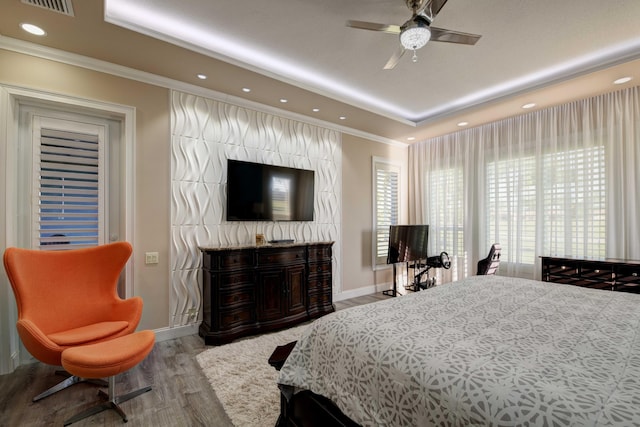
point(487, 350)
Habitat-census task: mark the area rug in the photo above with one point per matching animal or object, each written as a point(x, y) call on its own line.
point(243, 380)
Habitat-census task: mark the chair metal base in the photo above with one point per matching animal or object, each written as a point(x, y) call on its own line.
point(71, 380)
point(112, 402)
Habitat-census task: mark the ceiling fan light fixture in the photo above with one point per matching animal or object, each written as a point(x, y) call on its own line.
point(415, 34)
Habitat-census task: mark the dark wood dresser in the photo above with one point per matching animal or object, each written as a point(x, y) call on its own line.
point(254, 289)
point(611, 274)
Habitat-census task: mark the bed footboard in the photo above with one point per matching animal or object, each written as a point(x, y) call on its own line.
point(305, 409)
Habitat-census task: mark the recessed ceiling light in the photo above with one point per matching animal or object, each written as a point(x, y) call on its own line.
point(33, 29)
point(202, 76)
point(622, 80)
point(315, 110)
point(343, 117)
point(246, 89)
point(461, 124)
point(529, 105)
point(283, 100)
point(411, 138)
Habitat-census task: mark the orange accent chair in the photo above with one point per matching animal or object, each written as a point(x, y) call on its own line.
point(108, 359)
point(68, 299)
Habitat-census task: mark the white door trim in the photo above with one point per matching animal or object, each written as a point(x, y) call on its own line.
point(11, 98)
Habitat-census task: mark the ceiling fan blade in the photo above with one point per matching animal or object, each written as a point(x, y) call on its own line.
point(391, 29)
point(450, 36)
point(431, 7)
point(395, 58)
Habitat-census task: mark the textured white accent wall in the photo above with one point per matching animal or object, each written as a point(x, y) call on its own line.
point(204, 134)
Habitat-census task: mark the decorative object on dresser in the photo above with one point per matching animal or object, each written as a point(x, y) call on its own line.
point(254, 289)
point(612, 274)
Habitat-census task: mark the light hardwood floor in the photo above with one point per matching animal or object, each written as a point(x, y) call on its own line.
point(180, 395)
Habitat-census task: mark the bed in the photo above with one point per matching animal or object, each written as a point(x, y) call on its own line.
point(487, 350)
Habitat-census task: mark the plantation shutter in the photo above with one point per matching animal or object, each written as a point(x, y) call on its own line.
point(512, 201)
point(69, 187)
point(386, 203)
point(574, 203)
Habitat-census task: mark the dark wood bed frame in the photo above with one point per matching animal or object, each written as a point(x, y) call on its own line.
point(305, 409)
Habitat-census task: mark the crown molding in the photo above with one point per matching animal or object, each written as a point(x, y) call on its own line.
point(57, 55)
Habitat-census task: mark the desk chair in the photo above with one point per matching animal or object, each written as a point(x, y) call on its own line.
point(490, 264)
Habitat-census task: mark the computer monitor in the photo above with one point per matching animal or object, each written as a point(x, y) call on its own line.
point(407, 243)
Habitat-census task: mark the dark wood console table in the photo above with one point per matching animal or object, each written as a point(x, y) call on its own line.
point(254, 289)
point(611, 274)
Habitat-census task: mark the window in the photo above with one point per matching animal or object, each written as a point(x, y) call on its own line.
point(563, 205)
point(446, 211)
point(386, 190)
point(68, 186)
point(573, 200)
point(511, 206)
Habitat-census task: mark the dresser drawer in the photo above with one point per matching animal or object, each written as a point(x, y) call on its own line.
point(280, 256)
point(320, 281)
point(319, 252)
point(236, 297)
point(227, 260)
point(560, 271)
point(236, 280)
point(627, 278)
point(236, 317)
point(596, 271)
point(323, 298)
point(320, 267)
point(596, 275)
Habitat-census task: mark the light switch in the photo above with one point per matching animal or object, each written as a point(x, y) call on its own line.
point(151, 257)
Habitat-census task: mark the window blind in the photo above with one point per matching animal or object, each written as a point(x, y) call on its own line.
point(386, 189)
point(447, 211)
point(574, 203)
point(512, 206)
point(68, 189)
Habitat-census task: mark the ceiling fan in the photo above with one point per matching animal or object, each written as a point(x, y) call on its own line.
point(417, 31)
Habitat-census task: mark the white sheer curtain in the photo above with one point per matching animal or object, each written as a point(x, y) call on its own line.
point(561, 181)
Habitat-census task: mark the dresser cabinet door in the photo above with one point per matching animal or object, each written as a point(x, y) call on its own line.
point(270, 285)
point(295, 290)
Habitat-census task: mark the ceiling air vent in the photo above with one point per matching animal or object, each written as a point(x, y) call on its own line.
point(60, 6)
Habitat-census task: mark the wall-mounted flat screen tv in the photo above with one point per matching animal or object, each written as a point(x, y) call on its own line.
point(260, 192)
point(407, 243)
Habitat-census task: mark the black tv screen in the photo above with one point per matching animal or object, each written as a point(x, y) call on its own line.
point(260, 192)
point(407, 243)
